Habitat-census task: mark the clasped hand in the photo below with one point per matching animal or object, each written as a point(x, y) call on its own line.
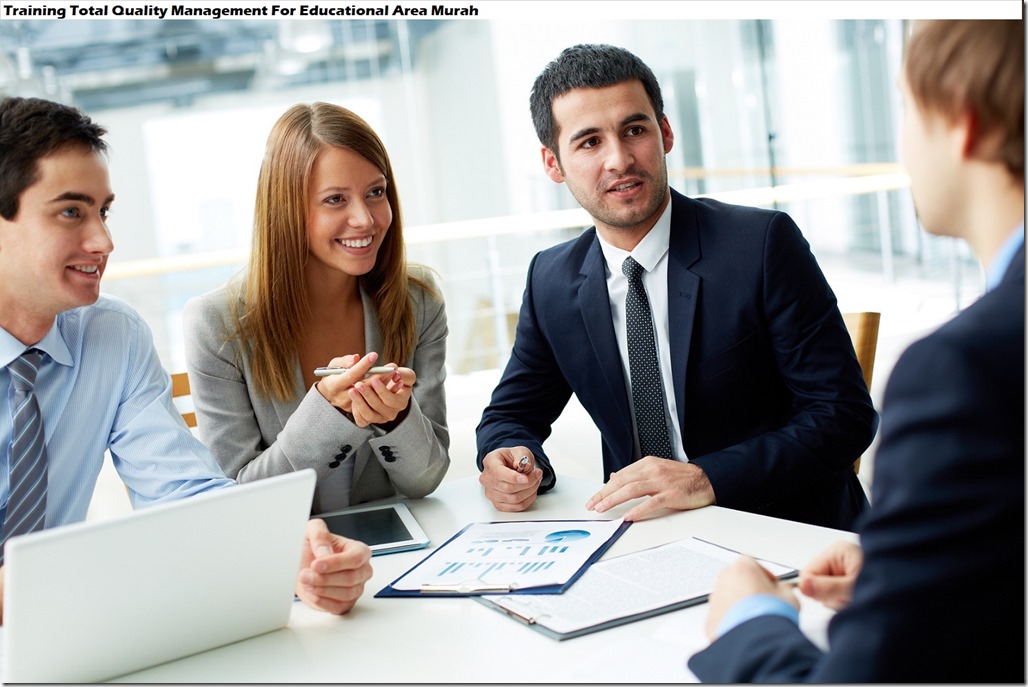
point(378, 399)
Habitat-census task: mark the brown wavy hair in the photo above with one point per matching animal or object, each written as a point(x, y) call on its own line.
point(275, 313)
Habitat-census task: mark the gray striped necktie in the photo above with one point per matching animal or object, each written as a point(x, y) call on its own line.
point(644, 369)
point(26, 502)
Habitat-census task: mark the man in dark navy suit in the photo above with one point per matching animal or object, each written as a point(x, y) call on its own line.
point(935, 592)
point(757, 395)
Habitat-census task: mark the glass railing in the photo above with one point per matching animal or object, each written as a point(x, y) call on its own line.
point(859, 221)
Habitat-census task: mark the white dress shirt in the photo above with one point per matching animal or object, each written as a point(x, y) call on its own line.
point(651, 253)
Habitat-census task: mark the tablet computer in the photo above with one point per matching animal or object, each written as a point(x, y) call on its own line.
point(386, 528)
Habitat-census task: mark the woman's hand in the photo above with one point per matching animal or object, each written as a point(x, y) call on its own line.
point(380, 399)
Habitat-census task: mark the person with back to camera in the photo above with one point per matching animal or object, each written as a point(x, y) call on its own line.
point(935, 591)
point(328, 285)
point(750, 396)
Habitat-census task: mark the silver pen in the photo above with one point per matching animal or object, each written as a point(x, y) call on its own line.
point(327, 371)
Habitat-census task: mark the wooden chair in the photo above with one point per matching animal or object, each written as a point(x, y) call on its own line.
point(179, 389)
point(863, 329)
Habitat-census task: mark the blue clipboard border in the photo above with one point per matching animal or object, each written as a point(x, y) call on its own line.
point(391, 592)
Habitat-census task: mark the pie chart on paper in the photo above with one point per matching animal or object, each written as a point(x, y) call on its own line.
point(567, 535)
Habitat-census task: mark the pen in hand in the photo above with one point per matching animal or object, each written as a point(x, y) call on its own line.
point(327, 371)
point(522, 464)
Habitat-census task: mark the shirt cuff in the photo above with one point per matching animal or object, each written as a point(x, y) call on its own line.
point(755, 606)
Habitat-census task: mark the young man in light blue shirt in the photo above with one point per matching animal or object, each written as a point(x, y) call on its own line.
point(94, 373)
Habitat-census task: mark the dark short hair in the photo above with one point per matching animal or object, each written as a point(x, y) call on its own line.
point(31, 129)
point(953, 66)
point(586, 66)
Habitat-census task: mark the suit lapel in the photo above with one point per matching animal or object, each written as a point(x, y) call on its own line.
point(594, 303)
point(683, 292)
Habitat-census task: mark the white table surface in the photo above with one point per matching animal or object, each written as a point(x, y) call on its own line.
point(452, 640)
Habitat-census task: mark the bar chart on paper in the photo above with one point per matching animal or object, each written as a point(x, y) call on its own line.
point(512, 555)
point(481, 570)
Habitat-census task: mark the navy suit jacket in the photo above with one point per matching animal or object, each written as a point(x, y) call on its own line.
point(940, 597)
point(771, 400)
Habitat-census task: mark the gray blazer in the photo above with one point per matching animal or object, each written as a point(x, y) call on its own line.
point(253, 437)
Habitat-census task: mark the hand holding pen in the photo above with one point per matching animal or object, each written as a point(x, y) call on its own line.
point(366, 394)
point(510, 478)
point(329, 371)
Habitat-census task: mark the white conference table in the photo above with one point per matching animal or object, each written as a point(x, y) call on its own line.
point(452, 640)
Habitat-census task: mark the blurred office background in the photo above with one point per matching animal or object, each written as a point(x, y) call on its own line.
point(799, 114)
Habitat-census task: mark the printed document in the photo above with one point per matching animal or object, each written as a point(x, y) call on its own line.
point(509, 556)
point(626, 588)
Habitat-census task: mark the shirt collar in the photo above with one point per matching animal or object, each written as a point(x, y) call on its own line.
point(647, 252)
point(52, 343)
point(1005, 255)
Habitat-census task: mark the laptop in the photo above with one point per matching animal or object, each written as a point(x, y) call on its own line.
point(94, 600)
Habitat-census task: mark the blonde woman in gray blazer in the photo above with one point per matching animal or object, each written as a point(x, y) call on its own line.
point(327, 285)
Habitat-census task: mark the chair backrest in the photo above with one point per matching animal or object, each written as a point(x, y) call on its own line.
point(180, 389)
point(863, 329)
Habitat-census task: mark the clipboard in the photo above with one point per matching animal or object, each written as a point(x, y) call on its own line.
point(538, 623)
point(614, 601)
point(511, 558)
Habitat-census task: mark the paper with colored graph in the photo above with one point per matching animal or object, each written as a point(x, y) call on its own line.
point(491, 557)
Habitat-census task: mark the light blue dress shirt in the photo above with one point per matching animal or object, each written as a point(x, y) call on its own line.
point(754, 606)
point(1004, 257)
point(101, 386)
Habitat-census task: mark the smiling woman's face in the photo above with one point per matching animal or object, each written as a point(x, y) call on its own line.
point(349, 213)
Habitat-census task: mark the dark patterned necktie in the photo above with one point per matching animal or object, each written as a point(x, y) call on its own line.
point(647, 393)
point(26, 501)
